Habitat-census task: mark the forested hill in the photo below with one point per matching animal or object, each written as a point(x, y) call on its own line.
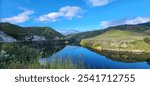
point(11, 33)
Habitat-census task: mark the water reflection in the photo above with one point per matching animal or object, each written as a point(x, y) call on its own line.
point(125, 56)
point(148, 61)
point(50, 50)
point(99, 60)
point(46, 48)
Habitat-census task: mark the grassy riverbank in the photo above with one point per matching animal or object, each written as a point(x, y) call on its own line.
point(118, 40)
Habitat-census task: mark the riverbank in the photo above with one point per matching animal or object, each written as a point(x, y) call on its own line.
point(100, 48)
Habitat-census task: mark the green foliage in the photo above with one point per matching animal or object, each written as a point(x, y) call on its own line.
point(13, 55)
point(20, 33)
point(47, 32)
point(147, 40)
point(6, 59)
point(23, 55)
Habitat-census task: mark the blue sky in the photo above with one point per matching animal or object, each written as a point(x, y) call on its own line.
point(74, 15)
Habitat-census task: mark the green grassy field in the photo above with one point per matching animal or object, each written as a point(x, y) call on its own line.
point(118, 40)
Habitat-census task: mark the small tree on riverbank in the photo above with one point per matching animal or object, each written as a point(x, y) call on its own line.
point(147, 40)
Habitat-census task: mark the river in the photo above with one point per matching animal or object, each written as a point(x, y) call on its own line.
point(94, 60)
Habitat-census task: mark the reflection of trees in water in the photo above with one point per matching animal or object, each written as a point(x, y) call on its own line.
point(148, 61)
point(25, 55)
point(46, 48)
point(51, 50)
point(125, 56)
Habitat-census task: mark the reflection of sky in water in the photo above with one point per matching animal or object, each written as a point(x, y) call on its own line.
point(91, 59)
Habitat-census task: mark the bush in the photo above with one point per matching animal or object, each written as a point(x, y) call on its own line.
point(147, 40)
point(13, 55)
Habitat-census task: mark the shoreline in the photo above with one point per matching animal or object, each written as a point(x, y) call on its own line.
point(116, 50)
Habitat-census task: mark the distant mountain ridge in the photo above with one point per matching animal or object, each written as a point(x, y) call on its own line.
point(140, 28)
point(17, 33)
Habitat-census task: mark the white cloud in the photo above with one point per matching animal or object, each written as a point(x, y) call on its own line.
point(138, 20)
point(99, 2)
point(22, 17)
point(68, 12)
point(132, 21)
point(50, 17)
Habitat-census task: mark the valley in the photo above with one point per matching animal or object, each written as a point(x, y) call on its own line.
point(43, 47)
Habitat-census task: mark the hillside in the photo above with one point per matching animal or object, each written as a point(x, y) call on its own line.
point(118, 40)
point(79, 36)
point(140, 28)
point(131, 28)
point(18, 33)
point(135, 38)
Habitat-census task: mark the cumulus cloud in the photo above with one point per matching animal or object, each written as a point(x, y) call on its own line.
point(68, 12)
point(99, 2)
point(138, 20)
point(22, 17)
point(50, 17)
point(132, 21)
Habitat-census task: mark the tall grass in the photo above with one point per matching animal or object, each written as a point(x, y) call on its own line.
point(21, 56)
point(55, 64)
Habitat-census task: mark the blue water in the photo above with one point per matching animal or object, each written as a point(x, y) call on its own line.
point(93, 60)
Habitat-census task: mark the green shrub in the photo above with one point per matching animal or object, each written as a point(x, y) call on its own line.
point(17, 56)
point(147, 40)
